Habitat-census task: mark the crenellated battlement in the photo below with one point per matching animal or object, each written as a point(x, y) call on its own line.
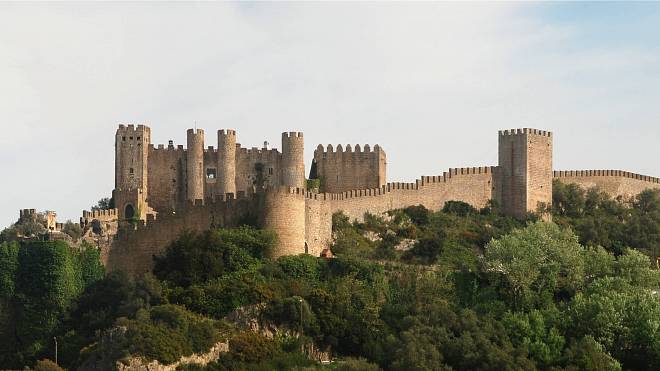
point(98, 214)
point(604, 173)
point(292, 134)
point(524, 131)
point(257, 152)
point(132, 128)
point(227, 132)
point(195, 131)
point(356, 149)
point(162, 147)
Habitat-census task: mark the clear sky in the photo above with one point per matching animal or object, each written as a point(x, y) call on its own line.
point(431, 83)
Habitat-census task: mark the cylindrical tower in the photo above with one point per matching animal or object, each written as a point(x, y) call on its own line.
point(284, 213)
point(293, 160)
point(195, 165)
point(226, 180)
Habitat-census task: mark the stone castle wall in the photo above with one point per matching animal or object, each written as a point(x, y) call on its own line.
point(343, 170)
point(186, 189)
point(133, 248)
point(614, 182)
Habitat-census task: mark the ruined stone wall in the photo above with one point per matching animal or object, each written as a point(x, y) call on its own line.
point(345, 170)
point(110, 215)
point(613, 182)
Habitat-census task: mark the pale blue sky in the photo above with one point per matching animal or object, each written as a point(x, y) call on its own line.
point(430, 83)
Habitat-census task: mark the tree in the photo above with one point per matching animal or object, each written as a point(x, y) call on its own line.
point(72, 229)
point(104, 203)
point(541, 257)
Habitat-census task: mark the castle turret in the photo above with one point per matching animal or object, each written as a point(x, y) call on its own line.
point(195, 165)
point(293, 160)
point(284, 213)
point(226, 182)
point(525, 170)
point(131, 170)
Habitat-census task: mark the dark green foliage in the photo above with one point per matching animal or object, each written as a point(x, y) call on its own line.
point(252, 352)
point(613, 224)
point(419, 215)
point(425, 251)
point(39, 282)
point(459, 208)
point(313, 184)
point(169, 333)
point(196, 259)
point(410, 290)
point(104, 203)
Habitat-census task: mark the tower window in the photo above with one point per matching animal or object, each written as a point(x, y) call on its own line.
point(138, 138)
point(130, 171)
point(211, 173)
point(123, 138)
point(130, 138)
point(270, 171)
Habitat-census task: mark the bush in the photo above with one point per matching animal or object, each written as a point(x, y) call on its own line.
point(194, 259)
point(459, 208)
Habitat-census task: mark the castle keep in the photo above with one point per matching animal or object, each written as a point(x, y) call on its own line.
point(161, 191)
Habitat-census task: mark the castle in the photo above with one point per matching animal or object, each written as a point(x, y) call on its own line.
point(161, 191)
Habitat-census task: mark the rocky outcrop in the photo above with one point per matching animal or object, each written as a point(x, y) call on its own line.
point(141, 364)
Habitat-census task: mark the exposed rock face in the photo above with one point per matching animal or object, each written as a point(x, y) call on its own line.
point(141, 364)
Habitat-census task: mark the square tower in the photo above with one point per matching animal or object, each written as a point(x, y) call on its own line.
point(525, 170)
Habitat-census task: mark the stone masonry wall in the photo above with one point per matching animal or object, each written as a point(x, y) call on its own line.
point(539, 169)
point(167, 184)
point(345, 170)
point(613, 182)
point(133, 249)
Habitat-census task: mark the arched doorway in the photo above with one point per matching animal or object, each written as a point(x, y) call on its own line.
point(129, 212)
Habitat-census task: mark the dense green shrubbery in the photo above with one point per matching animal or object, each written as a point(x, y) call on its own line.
point(38, 283)
point(194, 259)
point(414, 289)
point(613, 224)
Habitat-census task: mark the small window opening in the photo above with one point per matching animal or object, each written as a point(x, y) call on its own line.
point(130, 171)
point(138, 138)
point(270, 171)
point(123, 138)
point(210, 173)
point(130, 138)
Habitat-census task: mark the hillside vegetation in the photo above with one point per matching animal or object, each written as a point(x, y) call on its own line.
point(460, 289)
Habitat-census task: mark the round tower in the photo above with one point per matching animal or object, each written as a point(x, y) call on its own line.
point(195, 165)
point(226, 180)
point(284, 213)
point(293, 160)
